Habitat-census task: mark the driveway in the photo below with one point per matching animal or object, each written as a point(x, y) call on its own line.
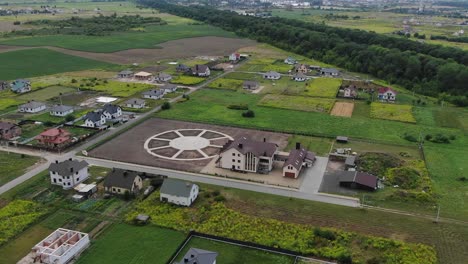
point(313, 176)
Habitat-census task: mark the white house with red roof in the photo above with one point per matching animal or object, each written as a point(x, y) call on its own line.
point(387, 94)
point(234, 57)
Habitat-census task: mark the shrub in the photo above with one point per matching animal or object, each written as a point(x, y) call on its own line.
point(428, 137)
point(70, 118)
point(165, 106)
point(17, 23)
point(48, 123)
point(327, 234)
point(439, 138)
point(74, 81)
point(220, 198)
point(405, 177)
point(345, 258)
point(238, 107)
point(463, 178)
point(410, 137)
point(248, 114)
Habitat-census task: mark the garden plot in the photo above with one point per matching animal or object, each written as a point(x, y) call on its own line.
point(394, 112)
point(323, 87)
point(344, 109)
point(299, 103)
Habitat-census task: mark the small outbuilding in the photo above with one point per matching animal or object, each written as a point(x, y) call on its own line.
point(358, 180)
point(250, 85)
point(179, 192)
point(341, 139)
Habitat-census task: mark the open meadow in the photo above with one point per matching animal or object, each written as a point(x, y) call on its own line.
point(300, 103)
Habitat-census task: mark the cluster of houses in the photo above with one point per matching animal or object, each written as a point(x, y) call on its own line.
point(17, 86)
point(162, 77)
point(98, 118)
point(384, 94)
point(246, 155)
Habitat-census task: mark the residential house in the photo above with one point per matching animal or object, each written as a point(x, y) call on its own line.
point(183, 68)
point(21, 86)
point(169, 88)
point(154, 94)
point(247, 155)
point(387, 94)
point(135, 103)
point(234, 57)
point(61, 110)
point(125, 74)
point(198, 256)
point(250, 85)
point(271, 75)
point(315, 67)
point(119, 181)
point(358, 180)
point(94, 119)
point(143, 76)
point(178, 192)
point(4, 85)
point(350, 92)
point(297, 159)
point(329, 72)
point(301, 68)
point(290, 61)
point(68, 173)
point(54, 137)
point(111, 111)
point(201, 70)
point(32, 107)
point(9, 131)
point(163, 77)
point(60, 247)
point(300, 77)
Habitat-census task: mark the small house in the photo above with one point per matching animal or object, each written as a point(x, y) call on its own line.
point(183, 68)
point(135, 103)
point(350, 162)
point(54, 137)
point(178, 192)
point(163, 77)
point(111, 111)
point(387, 94)
point(300, 77)
point(120, 181)
point(350, 92)
point(4, 85)
point(290, 61)
point(94, 119)
point(9, 131)
point(201, 70)
point(198, 256)
point(342, 139)
point(21, 86)
point(32, 107)
point(125, 74)
point(61, 110)
point(271, 75)
point(298, 158)
point(153, 94)
point(169, 88)
point(301, 68)
point(315, 67)
point(250, 85)
point(143, 76)
point(358, 180)
point(234, 57)
point(329, 72)
point(68, 173)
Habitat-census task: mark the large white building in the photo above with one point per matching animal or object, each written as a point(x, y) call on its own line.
point(248, 155)
point(179, 192)
point(68, 173)
point(60, 246)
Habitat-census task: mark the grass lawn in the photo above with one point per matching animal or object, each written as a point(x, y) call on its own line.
point(394, 112)
point(37, 62)
point(114, 88)
point(300, 103)
point(410, 152)
point(321, 146)
point(323, 87)
point(233, 254)
point(187, 80)
point(13, 165)
point(46, 93)
point(137, 245)
point(45, 117)
point(225, 83)
point(6, 103)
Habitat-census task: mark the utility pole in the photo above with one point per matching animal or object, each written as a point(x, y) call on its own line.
point(438, 214)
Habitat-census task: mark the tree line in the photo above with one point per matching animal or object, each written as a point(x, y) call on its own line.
point(427, 69)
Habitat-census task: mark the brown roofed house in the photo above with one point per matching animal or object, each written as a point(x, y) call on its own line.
point(119, 181)
point(9, 131)
point(297, 159)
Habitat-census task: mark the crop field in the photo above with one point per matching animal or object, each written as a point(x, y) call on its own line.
point(394, 112)
point(224, 83)
point(344, 109)
point(13, 165)
point(148, 244)
point(233, 254)
point(323, 87)
point(297, 103)
point(187, 80)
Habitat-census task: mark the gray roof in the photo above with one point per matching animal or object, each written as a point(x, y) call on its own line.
point(258, 148)
point(199, 68)
point(176, 187)
point(154, 92)
point(169, 86)
point(61, 108)
point(67, 167)
point(199, 256)
point(93, 116)
point(182, 67)
point(32, 104)
point(330, 70)
point(250, 83)
point(297, 157)
point(135, 101)
point(6, 125)
point(126, 72)
point(110, 108)
point(163, 75)
point(351, 160)
point(272, 73)
point(300, 75)
point(120, 178)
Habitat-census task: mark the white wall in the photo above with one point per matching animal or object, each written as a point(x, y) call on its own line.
point(179, 200)
point(71, 181)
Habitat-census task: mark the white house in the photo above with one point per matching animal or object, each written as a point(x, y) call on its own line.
point(290, 61)
point(68, 173)
point(387, 94)
point(329, 72)
point(111, 111)
point(163, 77)
point(125, 74)
point(169, 88)
point(61, 110)
point(300, 77)
point(94, 119)
point(234, 57)
point(32, 107)
point(201, 70)
point(271, 75)
point(60, 247)
point(198, 256)
point(153, 94)
point(297, 159)
point(135, 103)
point(248, 155)
point(178, 192)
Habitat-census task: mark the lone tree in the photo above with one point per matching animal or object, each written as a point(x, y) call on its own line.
point(248, 114)
point(166, 106)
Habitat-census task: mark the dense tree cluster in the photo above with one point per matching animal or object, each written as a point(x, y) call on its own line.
point(427, 69)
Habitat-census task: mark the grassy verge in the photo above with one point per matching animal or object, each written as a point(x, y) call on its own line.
point(14, 165)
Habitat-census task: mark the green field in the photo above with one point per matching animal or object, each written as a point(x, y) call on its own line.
point(225, 83)
point(233, 254)
point(300, 103)
point(394, 112)
point(323, 87)
point(187, 80)
point(138, 245)
point(321, 146)
point(13, 165)
point(37, 62)
point(113, 88)
point(46, 93)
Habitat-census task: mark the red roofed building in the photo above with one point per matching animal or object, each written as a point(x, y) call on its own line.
point(55, 137)
point(234, 57)
point(387, 94)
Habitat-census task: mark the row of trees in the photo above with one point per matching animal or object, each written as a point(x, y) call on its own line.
point(417, 66)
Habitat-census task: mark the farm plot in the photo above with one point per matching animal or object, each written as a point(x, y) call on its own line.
point(344, 109)
point(297, 103)
point(394, 112)
point(225, 83)
point(323, 87)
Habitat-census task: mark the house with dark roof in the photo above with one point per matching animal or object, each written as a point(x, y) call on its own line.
point(300, 77)
point(178, 192)
point(94, 119)
point(153, 94)
point(163, 77)
point(4, 85)
point(21, 86)
point(125, 74)
point(387, 94)
point(250, 85)
point(169, 88)
point(183, 68)
point(298, 158)
point(111, 111)
point(243, 154)
point(54, 137)
point(68, 173)
point(330, 72)
point(358, 180)
point(9, 131)
point(32, 107)
point(119, 181)
point(135, 103)
point(271, 75)
point(61, 110)
point(198, 256)
point(201, 70)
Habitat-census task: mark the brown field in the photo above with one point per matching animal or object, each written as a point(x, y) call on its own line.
point(343, 109)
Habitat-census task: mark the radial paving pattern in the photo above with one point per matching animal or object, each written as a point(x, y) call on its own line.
point(186, 144)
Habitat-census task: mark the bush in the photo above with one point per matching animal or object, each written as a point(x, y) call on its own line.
point(166, 106)
point(439, 138)
point(463, 178)
point(48, 123)
point(327, 234)
point(74, 81)
point(405, 177)
point(428, 137)
point(70, 118)
point(17, 23)
point(248, 114)
point(410, 138)
point(345, 258)
point(238, 107)
point(220, 198)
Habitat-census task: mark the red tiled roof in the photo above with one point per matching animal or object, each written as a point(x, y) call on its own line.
point(386, 89)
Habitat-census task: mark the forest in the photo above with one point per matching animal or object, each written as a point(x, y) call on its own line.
point(424, 68)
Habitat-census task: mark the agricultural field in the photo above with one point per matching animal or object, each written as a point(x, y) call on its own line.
point(323, 87)
point(233, 254)
point(13, 165)
point(300, 103)
point(31, 62)
point(394, 112)
point(344, 109)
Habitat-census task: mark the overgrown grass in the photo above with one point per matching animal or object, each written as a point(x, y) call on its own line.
point(187, 80)
point(394, 112)
point(113, 88)
point(13, 165)
point(224, 83)
point(300, 103)
point(323, 87)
